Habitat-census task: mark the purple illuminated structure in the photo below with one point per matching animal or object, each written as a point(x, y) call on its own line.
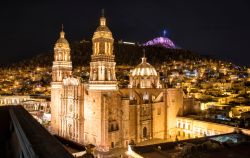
point(160, 41)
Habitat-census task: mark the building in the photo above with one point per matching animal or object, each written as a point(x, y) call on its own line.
point(99, 112)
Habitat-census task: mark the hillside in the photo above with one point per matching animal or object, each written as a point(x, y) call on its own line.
point(124, 55)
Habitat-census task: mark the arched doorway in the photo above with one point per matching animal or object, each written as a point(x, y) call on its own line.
point(144, 132)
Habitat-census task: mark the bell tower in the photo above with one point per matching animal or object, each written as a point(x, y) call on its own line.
point(62, 65)
point(102, 65)
point(62, 68)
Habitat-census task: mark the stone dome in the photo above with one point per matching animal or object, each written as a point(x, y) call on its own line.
point(103, 31)
point(103, 28)
point(144, 69)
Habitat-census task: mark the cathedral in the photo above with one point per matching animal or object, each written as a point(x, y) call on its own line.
point(101, 113)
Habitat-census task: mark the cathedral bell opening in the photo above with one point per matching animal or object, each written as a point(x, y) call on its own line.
point(144, 132)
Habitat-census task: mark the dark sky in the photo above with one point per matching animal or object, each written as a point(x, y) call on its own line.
point(220, 28)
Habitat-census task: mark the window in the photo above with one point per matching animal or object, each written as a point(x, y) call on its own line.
point(70, 130)
point(144, 132)
point(159, 111)
point(146, 96)
point(112, 127)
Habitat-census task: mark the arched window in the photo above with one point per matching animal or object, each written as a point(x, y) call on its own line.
point(144, 132)
point(112, 127)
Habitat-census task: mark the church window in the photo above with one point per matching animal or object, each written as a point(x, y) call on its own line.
point(97, 47)
point(70, 130)
point(112, 127)
point(109, 49)
point(105, 47)
point(159, 111)
point(146, 96)
point(144, 132)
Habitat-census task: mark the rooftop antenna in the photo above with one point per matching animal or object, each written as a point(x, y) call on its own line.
point(144, 59)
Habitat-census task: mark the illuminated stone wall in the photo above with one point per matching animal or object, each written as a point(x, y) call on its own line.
point(113, 118)
point(159, 120)
point(93, 126)
point(187, 128)
point(56, 89)
point(174, 101)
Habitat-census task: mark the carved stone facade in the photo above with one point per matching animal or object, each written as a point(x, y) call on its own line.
point(71, 110)
point(101, 114)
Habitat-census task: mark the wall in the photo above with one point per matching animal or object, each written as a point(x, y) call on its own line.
point(174, 100)
point(191, 128)
point(92, 117)
point(159, 122)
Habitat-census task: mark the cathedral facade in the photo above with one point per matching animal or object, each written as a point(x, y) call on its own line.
point(99, 112)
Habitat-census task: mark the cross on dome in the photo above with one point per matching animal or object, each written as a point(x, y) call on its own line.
point(144, 59)
point(103, 19)
point(62, 34)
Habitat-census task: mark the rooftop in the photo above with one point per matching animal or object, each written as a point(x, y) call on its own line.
point(21, 134)
point(223, 146)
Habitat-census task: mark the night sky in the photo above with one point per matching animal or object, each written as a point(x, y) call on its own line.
point(217, 28)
